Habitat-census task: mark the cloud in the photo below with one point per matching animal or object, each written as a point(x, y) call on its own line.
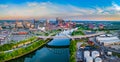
point(48, 9)
point(32, 4)
point(116, 7)
point(3, 6)
point(69, 10)
point(111, 10)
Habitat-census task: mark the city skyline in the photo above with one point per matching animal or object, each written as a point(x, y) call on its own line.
point(83, 10)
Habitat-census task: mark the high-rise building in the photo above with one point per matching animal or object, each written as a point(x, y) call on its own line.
point(19, 24)
point(0, 28)
point(59, 21)
point(91, 26)
point(101, 26)
point(47, 25)
point(27, 24)
point(35, 23)
point(6, 25)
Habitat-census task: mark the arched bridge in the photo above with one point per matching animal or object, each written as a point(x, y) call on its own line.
point(72, 37)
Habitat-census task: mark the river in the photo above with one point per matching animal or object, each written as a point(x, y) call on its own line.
point(49, 54)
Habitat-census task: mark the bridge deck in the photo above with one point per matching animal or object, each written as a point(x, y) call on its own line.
point(68, 36)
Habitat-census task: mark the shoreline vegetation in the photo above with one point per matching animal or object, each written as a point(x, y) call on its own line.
point(17, 45)
point(73, 50)
point(73, 47)
point(15, 50)
point(22, 51)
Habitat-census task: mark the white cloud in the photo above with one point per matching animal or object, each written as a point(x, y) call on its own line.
point(32, 4)
point(116, 7)
point(43, 9)
point(3, 6)
point(99, 10)
point(45, 3)
point(38, 3)
point(111, 10)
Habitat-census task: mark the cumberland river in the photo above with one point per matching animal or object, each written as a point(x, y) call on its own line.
point(56, 50)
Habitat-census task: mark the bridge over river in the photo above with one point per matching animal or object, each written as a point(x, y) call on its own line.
point(56, 49)
point(72, 37)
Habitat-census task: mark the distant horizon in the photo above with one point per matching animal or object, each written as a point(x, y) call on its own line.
point(65, 20)
point(84, 9)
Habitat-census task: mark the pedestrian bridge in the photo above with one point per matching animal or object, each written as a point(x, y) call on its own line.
point(72, 37)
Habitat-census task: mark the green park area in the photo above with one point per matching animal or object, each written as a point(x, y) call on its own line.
point(21, 51)
point(116, 54)
point(47, 33)
point(16, 44)
point(73, 48)
point(79, 31)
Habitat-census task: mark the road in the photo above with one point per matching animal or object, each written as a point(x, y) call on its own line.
point(73, 37)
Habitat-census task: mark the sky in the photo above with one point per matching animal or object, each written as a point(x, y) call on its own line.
point(67, 9)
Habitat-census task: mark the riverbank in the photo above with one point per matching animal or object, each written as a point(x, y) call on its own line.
point(4, 57)
point(74, 47)
point(19, 44)
point(73, 51)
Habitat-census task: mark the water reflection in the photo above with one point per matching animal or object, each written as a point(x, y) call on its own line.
point(58, 53)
